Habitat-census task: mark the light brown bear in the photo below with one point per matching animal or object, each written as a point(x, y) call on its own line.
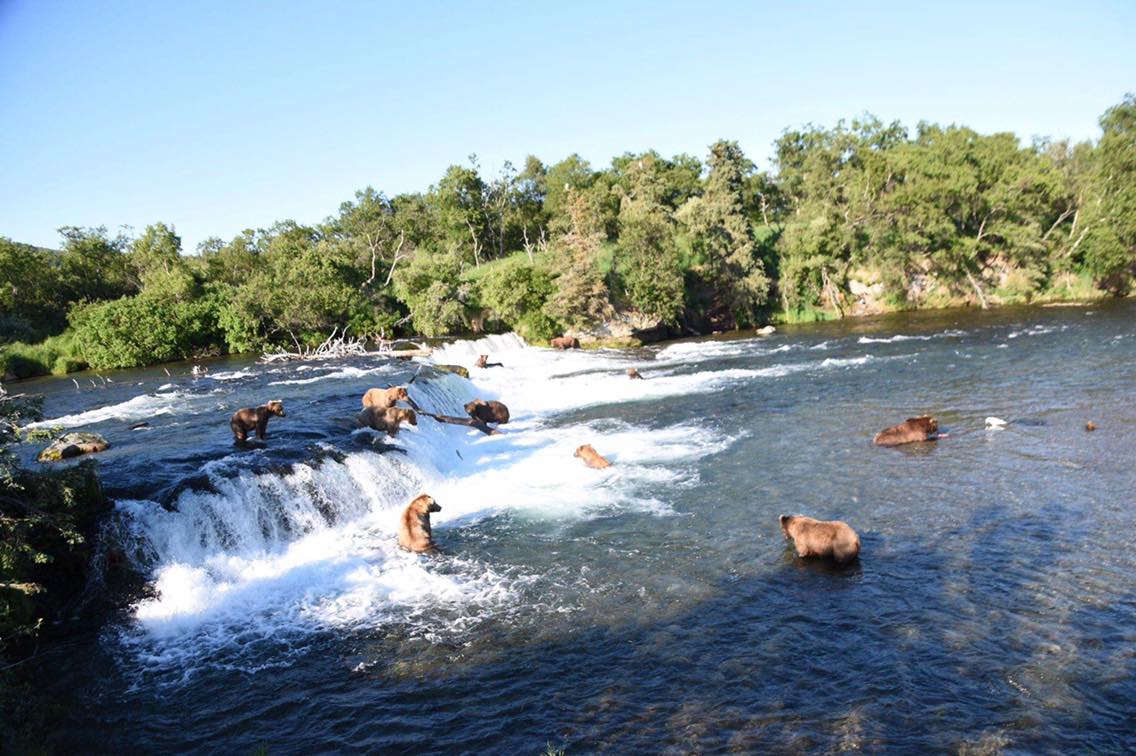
point(383, 398)
point(483, 362)
point(566, 342)
point(922, 428)
point(633, 374)
point(488, 411)
point(244, 420)
point(828, 539)
point(591, 457)
point(414, 526)
point(386, 420)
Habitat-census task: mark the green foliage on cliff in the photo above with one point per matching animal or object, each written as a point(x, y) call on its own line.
point(860, 215)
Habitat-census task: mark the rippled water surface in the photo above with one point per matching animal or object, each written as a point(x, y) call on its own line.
point(650, 607)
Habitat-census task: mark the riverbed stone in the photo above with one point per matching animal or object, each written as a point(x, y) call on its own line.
point(73, 445)
point(456, 369)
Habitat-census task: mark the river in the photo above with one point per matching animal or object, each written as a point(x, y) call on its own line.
point(653, 606)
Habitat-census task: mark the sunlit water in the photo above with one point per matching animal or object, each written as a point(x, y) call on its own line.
point(649, 607)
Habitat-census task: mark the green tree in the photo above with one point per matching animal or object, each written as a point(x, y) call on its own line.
point(430, 287)
point(93, 265)
point(581, 297)
point(1109, 251)
point(723, 238)
point(648, 260)
point(158, 265)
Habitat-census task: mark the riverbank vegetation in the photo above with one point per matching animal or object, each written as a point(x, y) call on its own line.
point(47, 527)
point(861, 217)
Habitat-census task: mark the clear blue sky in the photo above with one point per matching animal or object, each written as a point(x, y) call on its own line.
point(216, 117)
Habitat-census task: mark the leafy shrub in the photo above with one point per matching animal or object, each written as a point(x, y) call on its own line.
point(142, 330)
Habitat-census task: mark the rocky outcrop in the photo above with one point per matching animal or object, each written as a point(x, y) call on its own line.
point(455, 369)
point(627, 328)
point(73, 445)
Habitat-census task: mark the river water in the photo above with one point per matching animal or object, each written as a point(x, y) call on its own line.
point(650, 607)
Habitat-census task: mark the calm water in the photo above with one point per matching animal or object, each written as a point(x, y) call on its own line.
point(650, 607)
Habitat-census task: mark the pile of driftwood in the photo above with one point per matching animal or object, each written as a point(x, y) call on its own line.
point(342, 346)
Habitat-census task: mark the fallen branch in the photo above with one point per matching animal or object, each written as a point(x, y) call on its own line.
point(467, 421)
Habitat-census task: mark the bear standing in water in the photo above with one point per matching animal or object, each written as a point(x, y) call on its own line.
point(244, 420)
point(831, 539)
point(922, 428)
point(386, 420)
point(414, 527)
point(483, 362)
point(566, 342)
point(383, 398)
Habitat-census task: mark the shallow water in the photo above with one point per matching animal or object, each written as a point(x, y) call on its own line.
point(650, 607)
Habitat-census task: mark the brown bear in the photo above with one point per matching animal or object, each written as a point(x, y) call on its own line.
point(828, 539)
point(488, 412)
point(633, 374)
point(383, 398)
point(1090, 426)
point(922, 428)
point(244, 420)
point(566, 342)
point(386, 420)
point(483, 362)
point(414, 526)
point(591, 457)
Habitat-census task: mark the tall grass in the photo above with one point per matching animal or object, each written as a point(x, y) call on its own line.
point(55, 355)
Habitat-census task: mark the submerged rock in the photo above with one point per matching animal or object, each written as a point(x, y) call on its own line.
point(73, 445)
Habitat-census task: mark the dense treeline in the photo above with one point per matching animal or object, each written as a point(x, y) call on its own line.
point(861, 217)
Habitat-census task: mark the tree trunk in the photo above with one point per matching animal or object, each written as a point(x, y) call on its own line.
point(978, 290)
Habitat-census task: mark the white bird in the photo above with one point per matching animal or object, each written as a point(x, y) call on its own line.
point(995, 422)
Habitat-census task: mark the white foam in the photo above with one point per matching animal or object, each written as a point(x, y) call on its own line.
point(144, 406)
point(909, 337)
point(232, 375)
point(340, 374)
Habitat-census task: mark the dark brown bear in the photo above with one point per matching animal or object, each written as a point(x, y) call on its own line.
point(244, 420)
point(922, 428)
point(828, 539)
point(386, 419)
point(488, 412)
point(566, 342)
point(414, 527)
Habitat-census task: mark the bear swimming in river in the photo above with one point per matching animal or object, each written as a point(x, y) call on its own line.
point(414, 526)
point(386, 420)
point(591, 457)
point(244, 420)
point(829, 539)
point(911, 430)
point(566, 342)
point(488, 412)
point(633, 374)
point(383, 398)
point(483, 362)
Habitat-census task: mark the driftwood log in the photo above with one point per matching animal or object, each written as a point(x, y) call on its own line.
point(467, 421)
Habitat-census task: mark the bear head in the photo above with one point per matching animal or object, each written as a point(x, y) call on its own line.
point(425, 504)
point(276, 407)
point(925, 423)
